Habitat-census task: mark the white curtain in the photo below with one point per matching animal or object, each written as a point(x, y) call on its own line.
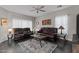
point(62, 21)
point(22, 23)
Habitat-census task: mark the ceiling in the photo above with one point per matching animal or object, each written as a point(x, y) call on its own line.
point(26, 9)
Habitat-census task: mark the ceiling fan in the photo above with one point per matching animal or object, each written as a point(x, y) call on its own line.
point(38, 9)
point(59, 6)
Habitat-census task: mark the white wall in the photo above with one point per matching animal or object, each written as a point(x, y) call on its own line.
point(71, 12)
point(10, 16)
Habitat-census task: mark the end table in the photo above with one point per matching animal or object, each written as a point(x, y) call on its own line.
point(10, 37)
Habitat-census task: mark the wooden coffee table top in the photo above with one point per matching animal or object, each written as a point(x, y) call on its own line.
point(38, 36)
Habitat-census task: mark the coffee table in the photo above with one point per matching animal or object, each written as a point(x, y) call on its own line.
point(39, 38)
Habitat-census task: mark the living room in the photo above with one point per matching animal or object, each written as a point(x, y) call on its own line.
point(59, 19)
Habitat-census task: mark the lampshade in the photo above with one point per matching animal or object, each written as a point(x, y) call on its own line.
point(10, 30)
point(61, 27)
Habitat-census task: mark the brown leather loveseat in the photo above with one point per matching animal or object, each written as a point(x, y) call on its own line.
point(21, 33)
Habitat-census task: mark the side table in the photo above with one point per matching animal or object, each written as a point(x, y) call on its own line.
point(62, 36)
point(10, 37)
point(61, 40)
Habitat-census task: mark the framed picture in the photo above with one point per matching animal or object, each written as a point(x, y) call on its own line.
point(0, 23)
point(46, 22)
point(4, 21)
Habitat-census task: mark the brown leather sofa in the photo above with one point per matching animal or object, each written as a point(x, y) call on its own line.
point(50, 32)
point(21, 33)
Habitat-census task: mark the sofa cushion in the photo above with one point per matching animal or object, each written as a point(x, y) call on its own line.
point(26, 29)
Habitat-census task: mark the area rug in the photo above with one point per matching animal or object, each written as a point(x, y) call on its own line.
point(33, 46)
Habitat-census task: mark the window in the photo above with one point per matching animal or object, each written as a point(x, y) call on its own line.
point(62, 21)
point(21, 23)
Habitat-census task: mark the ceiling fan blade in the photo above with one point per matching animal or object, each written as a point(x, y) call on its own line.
point(42, 7)
point(35, 8)
point(43, 10)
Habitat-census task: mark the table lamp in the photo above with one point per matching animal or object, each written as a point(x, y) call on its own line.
point(61, 27)
point(10, 31)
